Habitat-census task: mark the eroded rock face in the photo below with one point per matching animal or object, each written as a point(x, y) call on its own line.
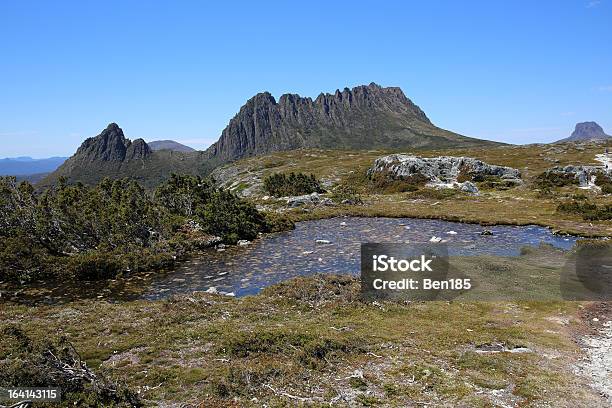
point(586, 131)
point(368, 116)
point(441, 170)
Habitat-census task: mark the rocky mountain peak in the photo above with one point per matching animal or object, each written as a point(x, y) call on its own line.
point(585, 131)
point(138, 149)
point(588, 130)
point(111, 145)
point(366, 116)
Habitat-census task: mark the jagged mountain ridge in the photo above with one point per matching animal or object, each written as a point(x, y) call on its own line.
point(365, 117)
point(111, 154)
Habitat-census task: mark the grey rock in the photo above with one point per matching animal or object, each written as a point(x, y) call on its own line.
point(585, 175)
point(367, 116)
point(298, 201)
point(468, 187)
point(326, 201)
point(439, 170)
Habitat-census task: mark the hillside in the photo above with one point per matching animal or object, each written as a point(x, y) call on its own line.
point(169, 145)
point(111, 154)
point(364, 117)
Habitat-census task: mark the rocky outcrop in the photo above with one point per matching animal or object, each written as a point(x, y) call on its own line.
point(584, 176)
point(586, 131)
point(112, 155)
point(111, 146)
point(360, 118)
point(441, 170)
point(308, 199)
point(137, 150)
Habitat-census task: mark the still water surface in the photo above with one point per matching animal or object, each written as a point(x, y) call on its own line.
point(275, 258)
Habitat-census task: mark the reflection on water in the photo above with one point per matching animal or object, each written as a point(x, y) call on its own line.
point(246, 270)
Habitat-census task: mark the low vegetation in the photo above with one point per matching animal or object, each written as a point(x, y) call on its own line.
point(42, 362)
point(384, 183)
point(281, 185)
point(588, 210)
point(313, 342)
point(116, 226)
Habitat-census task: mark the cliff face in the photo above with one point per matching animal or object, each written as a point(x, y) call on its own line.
point(360, 118)
point(365, 117)
point(111, 146)
point(111, 154)
point(585, 131)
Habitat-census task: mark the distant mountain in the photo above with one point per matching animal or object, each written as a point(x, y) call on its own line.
point(25, 166)
point(585, 131)
point(364, 117)
point(169, 145)
point(111, 154)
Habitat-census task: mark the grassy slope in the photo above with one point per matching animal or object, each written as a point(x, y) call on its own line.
point(149, 173)
point(519, 206)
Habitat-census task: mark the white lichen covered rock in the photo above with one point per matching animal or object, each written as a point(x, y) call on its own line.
point(584, 175)
point(439, 170)
point(297, 201)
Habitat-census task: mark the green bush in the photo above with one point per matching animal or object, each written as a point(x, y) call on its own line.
point(346, 193)
point(386, 183)
point(587, 210)
point(114, 227)
point(281, 185)
point(278, 222)
point(230, 218)
point(550, 179)
point(94, 266)
point(606, 188)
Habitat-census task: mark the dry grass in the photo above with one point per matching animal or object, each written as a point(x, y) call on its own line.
point(311, 341)
point(521, 205)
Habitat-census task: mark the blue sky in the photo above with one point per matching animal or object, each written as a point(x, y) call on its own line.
point(514, 71)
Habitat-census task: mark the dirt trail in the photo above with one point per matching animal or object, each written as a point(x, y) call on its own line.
point(596, 342)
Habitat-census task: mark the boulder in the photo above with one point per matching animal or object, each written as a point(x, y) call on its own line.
point(298, 201)
point(584, 175)
point(468, 187)
point(443, 170)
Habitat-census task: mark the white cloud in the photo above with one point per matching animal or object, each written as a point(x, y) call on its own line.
point(593, 3)
point(605, 88)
